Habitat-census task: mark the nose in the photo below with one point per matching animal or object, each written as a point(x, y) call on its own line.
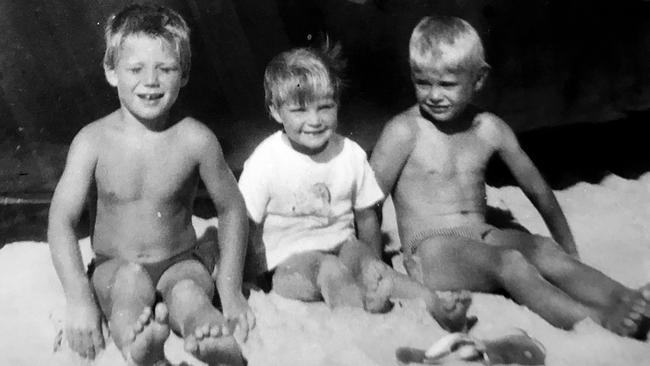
point(151, 77)
point(313, 118)
point(435, 94)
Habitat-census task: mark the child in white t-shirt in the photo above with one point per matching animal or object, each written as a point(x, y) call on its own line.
point(311, 198)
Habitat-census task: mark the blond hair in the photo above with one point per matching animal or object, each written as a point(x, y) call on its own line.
point(302, 75)
point(447, 41)
point(150, 20)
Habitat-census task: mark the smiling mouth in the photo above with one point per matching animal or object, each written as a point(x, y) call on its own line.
point(151, 96)
point(313, 132)
point(439, 110)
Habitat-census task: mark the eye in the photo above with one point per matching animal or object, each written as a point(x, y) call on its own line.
point(326, 107)
point(422, 83)
point(169, 69)
point(297, 109)
point(448, 84)
point(134, 69)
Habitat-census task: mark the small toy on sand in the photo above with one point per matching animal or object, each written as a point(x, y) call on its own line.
point(517, 348)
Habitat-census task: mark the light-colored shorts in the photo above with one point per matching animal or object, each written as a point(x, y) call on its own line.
point(477, 232)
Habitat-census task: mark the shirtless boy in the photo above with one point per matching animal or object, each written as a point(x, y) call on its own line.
point(310, 195)
point(432, 159)
point(141, 164)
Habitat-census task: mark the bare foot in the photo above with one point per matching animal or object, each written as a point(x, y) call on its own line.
point(377, 287)
point(627, 316)
point(631, 316)
point(148, 337)
point(214, 344)
point(450, 311)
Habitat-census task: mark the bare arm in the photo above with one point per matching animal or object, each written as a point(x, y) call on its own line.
point(391, 152)
point(389, 157)
point(83, 320)
point(536, 189)
point(368, 231)
point(233, 225)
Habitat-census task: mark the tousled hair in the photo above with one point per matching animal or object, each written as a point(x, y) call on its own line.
point(151, 20)
point(302, 75)
point(446, 40)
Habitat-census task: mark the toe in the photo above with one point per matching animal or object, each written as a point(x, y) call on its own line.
point(215, 331)
point(191, 345)
point(162, 315)
point(199, 333)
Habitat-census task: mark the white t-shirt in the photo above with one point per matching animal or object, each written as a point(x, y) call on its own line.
point(306, 203)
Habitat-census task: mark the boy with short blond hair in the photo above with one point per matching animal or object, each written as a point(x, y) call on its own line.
point(432, 159)
point(142, 165)
point(311, 195)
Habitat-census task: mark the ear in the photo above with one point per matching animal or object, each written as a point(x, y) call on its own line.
point(111, 76)
point(481, 77)
point(184, 80)
point(275, 114)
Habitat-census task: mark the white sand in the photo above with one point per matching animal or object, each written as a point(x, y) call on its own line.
point(611, 223)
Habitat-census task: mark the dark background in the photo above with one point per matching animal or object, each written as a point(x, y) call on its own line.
point(572, 77)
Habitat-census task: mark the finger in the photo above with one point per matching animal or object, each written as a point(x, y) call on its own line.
point(84, 344)
point(71, 338)
point(241, 330)
point(243, 326)
point(90, 352)
point(250, 317)
point(98, 340)
point(226, 328)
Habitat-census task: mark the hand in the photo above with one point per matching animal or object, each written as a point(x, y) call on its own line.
point(236, 309)
point(83, 329)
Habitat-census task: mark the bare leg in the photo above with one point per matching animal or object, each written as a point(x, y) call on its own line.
point(459, 263)
point(312, 276)
point(187, 290)
point(380, 283)
point(580, 281)
point(295, 278)
point(126, 295)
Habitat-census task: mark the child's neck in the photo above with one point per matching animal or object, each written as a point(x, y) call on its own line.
point(304, 150)
point(157, 124)
point(324, 154)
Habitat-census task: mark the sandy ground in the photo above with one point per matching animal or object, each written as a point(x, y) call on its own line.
point(611, 222)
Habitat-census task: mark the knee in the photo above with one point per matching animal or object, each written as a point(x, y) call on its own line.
point(132, 280)
point(513, 263)
point(186, 288)
point(549, 254)
point(132, 275)
point(331, 265)
point(294, 285)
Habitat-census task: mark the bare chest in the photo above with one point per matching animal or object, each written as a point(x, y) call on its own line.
point(450, 158)
point(159, 171)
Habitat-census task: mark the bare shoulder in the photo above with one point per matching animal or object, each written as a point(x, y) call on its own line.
point(90, 137)
point(402, 128)
point(493, 128)
point(198, 139)
point(196, 132)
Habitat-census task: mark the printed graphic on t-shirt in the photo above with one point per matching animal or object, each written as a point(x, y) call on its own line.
point(313, 202)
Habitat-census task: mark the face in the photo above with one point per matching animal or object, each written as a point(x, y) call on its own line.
point(147, 76)
point(310, 126)
point(443, 94)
